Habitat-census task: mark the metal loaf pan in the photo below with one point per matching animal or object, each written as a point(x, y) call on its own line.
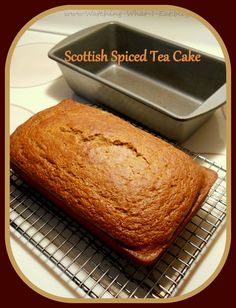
point(172, 98)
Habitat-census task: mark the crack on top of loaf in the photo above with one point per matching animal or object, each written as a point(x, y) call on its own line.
point(100, 137)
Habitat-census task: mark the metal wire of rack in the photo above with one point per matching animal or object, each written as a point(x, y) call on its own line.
point(99, 271)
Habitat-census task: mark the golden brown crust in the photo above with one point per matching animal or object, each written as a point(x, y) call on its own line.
point(132, 188)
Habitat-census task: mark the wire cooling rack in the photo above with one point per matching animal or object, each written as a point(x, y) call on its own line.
point(99, 271)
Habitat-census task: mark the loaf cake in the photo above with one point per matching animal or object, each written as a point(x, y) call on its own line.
point(133, 190)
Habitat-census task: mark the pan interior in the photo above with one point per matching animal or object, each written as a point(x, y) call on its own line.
point(178, 87)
